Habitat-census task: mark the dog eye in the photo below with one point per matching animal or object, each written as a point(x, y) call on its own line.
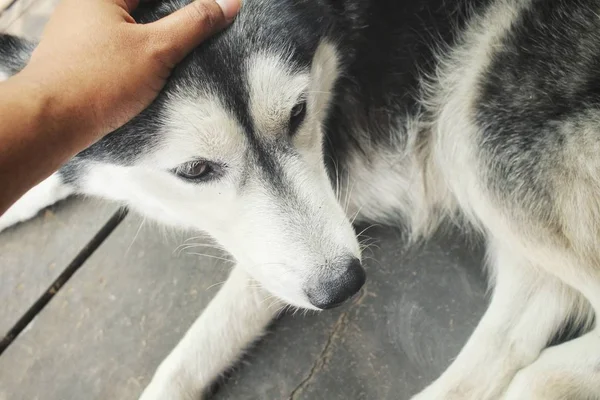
point(297, 116)
point(196, 170)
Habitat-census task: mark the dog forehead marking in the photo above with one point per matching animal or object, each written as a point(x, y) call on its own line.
point(199, 126)
point(274, 86)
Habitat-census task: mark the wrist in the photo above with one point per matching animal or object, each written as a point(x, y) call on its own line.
point(37, 136)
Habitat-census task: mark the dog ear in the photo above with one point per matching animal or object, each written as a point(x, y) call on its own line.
point(14, 53)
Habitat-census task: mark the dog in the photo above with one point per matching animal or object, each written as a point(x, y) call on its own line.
point(305, 116)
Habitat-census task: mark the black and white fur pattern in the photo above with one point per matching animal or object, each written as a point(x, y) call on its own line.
point(481, 112)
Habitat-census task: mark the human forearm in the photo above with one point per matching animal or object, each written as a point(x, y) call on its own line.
point(39, 131)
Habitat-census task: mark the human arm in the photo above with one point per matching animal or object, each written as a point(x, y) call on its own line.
point(93, 70)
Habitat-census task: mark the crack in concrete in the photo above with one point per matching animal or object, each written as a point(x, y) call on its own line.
point(323, 358)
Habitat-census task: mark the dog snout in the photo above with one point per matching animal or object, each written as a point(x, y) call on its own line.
point(333, 292)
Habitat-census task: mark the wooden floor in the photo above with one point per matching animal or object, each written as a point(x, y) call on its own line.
point(125, 294)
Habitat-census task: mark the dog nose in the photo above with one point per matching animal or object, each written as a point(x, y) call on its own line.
point(334, 292)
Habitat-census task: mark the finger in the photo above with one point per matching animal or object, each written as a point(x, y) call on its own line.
point(186, 28)
point(127, 5)
point(132, 4)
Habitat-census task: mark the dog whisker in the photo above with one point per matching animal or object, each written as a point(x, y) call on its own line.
point(215, 284)
point(367, 228)
point(203, 236)
point(135, 236)
point(183, 247)
point(211, 256)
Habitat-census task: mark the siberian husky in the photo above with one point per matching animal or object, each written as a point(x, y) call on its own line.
point(307, 115)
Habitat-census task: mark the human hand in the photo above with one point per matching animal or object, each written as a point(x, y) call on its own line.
point(99, 69)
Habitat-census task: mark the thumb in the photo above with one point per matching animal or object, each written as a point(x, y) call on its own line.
point(189, 26)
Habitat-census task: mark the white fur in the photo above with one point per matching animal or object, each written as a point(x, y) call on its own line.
point(274, 90)
point(568, 371)
point(387, 188)
point(31, 203)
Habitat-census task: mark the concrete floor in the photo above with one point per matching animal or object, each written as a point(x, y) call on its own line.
point(102, 335)
point(132, 294)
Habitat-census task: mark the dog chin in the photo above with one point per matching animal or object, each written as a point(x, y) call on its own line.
point(297, 302)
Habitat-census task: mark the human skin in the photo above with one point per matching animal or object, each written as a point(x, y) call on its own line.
point(93, 71)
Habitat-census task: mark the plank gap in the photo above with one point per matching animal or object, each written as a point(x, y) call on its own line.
point(62, 279)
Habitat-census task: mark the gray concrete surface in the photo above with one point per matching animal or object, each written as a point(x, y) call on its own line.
point(411, 318)
point(104, 333)
point(34, 254)
point(107, 329)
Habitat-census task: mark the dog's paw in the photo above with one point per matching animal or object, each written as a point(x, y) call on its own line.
point(171, 390)
point(41, 196)
point(437, 391)
point(465, 390)
point(533, 384)
point(438, 395)
point(524, 388)
point(171, 383)
point(17, 214)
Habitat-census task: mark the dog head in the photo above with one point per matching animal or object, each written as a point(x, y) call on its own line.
point(234, 147)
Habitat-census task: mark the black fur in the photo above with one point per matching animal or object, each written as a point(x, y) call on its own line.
point(14, 53)
point(393, 47)
point(546, 73)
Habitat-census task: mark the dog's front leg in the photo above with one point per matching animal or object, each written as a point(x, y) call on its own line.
point(235, 318)
point(527, 308)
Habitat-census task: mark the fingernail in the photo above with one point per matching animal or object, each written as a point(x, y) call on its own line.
point(230, 8)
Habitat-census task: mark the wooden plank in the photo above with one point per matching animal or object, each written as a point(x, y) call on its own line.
point(36, 252)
